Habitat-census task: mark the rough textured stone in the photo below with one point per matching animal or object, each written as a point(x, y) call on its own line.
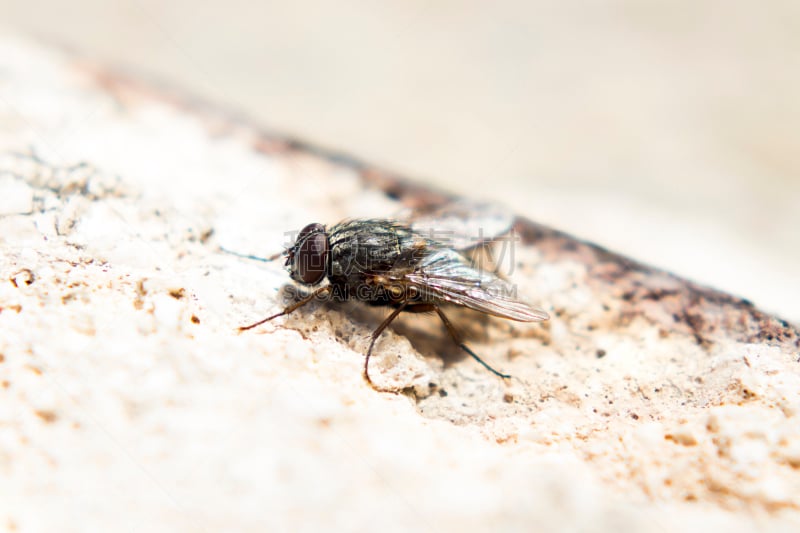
point(128, 400)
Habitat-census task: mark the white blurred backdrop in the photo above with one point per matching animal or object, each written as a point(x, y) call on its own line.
point(667, 130)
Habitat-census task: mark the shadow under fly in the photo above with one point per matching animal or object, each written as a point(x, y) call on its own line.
point(388, 263)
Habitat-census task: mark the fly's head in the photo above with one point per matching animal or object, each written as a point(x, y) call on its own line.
point(307, 259)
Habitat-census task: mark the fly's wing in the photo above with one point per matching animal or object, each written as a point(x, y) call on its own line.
point(461, 225)
point(446, 275)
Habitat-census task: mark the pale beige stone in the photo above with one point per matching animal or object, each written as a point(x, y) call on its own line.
point(129, 401)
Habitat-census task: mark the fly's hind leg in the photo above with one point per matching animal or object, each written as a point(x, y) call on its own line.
point(423, 308)
point(457, 339)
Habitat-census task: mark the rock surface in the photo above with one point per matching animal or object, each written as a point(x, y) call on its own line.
point(129, 400)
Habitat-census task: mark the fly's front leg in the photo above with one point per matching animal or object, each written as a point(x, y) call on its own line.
point(326, 289)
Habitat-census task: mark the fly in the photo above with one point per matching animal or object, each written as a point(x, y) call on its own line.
point(387, 263)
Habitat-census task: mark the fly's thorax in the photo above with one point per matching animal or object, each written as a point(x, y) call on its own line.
point(364, 247)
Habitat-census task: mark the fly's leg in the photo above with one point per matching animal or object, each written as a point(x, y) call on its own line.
point(457, 339)
point(253, 257)
point(375, 335)
point(289, 308)
point(425, 308)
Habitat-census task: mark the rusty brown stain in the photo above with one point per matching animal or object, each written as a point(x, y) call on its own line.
point(702, 312)
point(46, 415)
point(178, 294)
point(141, 292)
point(24, 275)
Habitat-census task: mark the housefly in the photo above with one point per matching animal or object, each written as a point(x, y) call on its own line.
point(389, 263)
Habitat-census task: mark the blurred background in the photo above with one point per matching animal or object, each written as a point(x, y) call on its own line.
point(666, 130)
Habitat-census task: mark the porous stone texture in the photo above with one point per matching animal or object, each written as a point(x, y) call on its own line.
point(128, 401)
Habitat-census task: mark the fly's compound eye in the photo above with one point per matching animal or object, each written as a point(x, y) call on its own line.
point(310, 255)
point(316, 227)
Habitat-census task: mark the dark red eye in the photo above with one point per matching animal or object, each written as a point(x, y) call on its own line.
point(316, 227)
point(310, 255)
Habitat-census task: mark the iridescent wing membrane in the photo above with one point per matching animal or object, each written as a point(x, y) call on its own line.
point(445, 274)
point(461, 225)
